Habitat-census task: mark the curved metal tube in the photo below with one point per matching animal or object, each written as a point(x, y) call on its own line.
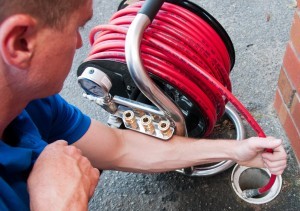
point(142, 79)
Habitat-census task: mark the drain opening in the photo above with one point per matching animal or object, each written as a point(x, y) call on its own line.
point(247, 178)
point(254, 178)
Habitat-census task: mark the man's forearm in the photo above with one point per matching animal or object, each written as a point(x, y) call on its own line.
point(131, 151)
point(153, 155)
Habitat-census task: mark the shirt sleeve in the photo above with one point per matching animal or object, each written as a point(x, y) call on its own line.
point(57, 119)
point(69, 123)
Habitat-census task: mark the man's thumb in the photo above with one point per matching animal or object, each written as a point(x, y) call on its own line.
point(268, 144)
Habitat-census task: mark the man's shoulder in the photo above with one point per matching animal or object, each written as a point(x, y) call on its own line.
point(53, 100)
point(49, 106)
point(57, 119)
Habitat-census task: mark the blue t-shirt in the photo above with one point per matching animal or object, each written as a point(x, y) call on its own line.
point(42, 122)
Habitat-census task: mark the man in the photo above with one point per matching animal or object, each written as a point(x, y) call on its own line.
point(48, 148)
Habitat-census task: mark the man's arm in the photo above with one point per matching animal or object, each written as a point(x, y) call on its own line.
point(109, 148)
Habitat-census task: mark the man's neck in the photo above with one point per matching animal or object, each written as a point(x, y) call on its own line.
point(14, 96)
point(11, 106)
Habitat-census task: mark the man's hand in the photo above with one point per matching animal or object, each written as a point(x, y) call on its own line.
point(251, 152)
point(61, 179)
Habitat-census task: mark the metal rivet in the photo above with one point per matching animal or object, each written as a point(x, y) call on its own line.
point(129, 118)
point(146, 121)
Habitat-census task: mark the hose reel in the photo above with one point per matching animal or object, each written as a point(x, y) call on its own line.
point(149, 77)
point(124, 86)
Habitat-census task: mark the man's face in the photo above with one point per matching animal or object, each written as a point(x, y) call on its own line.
point(55, 51)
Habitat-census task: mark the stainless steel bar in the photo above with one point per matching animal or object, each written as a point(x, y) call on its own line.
point(142, 79)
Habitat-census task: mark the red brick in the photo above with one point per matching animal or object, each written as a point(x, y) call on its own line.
point(287, 123)
point(285, 87)
point(280, 107)
point(277, 101)
point(295, 111)
point(292, 66)
point(293, 136)
point(295, 33)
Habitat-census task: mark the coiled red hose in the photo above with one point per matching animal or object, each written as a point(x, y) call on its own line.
point(183, 50)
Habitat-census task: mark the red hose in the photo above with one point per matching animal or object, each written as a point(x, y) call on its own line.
point(183, 50)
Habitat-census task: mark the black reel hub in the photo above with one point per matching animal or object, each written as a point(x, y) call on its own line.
point(124, 86)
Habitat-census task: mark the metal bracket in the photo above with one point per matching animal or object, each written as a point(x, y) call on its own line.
point(135, 116)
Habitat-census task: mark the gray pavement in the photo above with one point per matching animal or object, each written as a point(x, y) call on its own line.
point(259, 30)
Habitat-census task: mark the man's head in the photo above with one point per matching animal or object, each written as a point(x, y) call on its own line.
point(38, 39)
point(53, 13)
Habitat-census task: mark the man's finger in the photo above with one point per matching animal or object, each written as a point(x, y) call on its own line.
point(73, 151)
point(274, 156)
point(277, 171)
point(95, 173)
point(60, 142)
point(275, 164)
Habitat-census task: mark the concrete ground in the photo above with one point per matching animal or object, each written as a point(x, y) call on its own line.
point(259, 30)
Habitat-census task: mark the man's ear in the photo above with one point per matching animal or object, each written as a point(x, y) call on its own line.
point(17, 40)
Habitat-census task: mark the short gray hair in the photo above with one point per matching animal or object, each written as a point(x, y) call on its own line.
point(53, 13)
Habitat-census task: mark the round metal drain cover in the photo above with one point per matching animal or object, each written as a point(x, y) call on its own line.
point(243, 178)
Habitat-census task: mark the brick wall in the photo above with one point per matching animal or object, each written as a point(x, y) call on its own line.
point(287, 99)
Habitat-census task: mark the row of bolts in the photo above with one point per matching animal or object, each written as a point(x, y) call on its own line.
point(164, 126)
